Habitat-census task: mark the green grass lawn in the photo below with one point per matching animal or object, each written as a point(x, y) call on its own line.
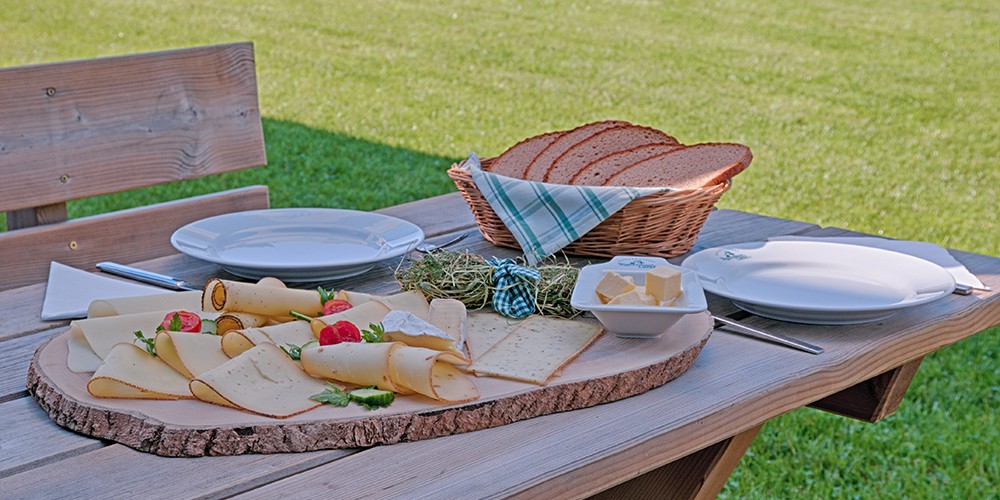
point(880, 117)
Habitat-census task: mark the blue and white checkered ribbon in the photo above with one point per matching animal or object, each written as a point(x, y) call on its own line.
point(544, 217)
point(514, 288)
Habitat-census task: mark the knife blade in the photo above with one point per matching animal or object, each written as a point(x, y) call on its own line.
point(144, 276)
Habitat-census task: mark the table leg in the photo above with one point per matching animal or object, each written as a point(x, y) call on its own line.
point(701, 474)
point(875, 398)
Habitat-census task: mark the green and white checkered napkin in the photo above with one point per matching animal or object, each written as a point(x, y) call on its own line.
point(544, 217)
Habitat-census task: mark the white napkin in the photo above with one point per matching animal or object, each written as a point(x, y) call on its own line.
point(70, 291)
point(922, 249)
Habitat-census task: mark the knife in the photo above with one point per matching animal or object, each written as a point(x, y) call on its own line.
point(144, 276)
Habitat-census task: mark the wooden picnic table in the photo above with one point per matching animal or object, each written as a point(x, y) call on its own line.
point(682, 439)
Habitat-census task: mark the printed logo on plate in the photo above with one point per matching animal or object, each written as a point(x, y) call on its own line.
point(636, 263)
point(728, 255)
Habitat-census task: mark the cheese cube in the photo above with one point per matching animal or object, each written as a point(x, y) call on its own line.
point(663, 283)
point(612, 285)
point(634, 297)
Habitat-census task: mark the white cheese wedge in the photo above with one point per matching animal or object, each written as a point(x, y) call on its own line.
point(406, 327)
point(612, 285)
point(663, 283)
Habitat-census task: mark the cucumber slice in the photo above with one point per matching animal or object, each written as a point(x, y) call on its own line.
point(370, 397)
point(209, 326)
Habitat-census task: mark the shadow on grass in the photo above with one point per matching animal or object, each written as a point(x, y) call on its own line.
point(307, 167)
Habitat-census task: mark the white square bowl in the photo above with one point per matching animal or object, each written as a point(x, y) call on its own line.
point(634, 321)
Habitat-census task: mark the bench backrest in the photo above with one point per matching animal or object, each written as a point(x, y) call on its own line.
point(78, 129)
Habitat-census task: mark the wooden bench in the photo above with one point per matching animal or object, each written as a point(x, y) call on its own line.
point(79, 129)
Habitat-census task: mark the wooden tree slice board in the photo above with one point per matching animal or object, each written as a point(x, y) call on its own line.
point(612, 368)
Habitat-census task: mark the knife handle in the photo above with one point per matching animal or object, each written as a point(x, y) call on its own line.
point(143, 276)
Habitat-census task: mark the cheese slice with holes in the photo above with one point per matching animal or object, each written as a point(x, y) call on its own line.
point(263, 380)
point(537, 349)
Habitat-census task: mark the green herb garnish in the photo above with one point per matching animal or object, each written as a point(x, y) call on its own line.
point(294, 351)
point(325, 295)
point(332, 395)
point(150, 342)
point(373, 333)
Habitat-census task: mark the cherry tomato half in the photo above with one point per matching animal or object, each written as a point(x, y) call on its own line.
point(341, 331)
point(334, 306)
point(185, 322)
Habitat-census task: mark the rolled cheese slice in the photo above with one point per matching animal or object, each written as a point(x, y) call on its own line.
point(190, 354)
point(187, 301)
point(130, 372)
point(358, 363)
point(294, 333)
point(371, 312)
point(238, 320)
point(433, 374)
point(412, 301)
point(266, 300)
point(263, 380)
point(393, 366)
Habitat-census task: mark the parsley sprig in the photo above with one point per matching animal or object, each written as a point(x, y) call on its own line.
point(295, 351)
point(150, 342)
point(374, 333)
point(336, 396)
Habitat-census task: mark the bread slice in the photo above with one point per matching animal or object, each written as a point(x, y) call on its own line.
point(543, 160)
point(690, 167)
point(601, 144)
point(514, 162)
point(600, 170)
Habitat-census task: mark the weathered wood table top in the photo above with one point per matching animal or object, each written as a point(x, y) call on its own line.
point(681, 439)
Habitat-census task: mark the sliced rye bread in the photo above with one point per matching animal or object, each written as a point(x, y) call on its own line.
point(543, 160)
point(601, 144)
point(689, 167)
point(602, 169)
point(514, 162)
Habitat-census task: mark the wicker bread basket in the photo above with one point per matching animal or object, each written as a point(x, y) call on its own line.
point(662, 225)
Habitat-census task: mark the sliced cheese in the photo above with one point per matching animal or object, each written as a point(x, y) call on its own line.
point(187, 301)
point(612, 285)
point(190, 354)
point(536, 349)
point(451, 317)
point(128, 371)
point(485, 329)
point(263, 380)
point(237, 320)
point(93, 338)
point(664, 284)
point(406, 327)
